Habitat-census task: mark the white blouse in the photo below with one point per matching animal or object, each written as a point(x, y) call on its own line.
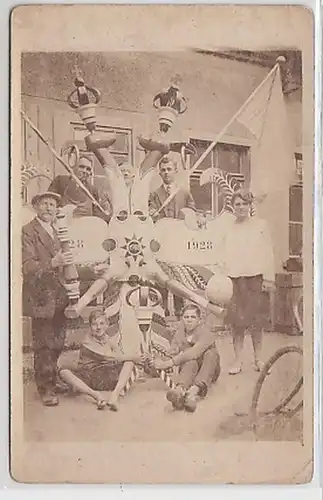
point(246, 249)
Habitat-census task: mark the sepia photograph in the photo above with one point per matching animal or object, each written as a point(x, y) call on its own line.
point(159, 206)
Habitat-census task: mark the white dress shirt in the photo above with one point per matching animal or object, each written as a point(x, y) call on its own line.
point(170, 188)
point(247, 250)
point(47, 226)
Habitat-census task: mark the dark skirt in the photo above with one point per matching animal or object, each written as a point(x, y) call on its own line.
point(244, 309)
point(102, 376)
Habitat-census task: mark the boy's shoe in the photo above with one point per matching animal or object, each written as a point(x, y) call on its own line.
point(112, 406)
point(190, 401)
point(176, 397)
point(112, 403)
point(101, 404)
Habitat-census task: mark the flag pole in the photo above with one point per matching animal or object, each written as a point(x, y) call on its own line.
point(235, 117)
point(213, 190)
point(62, 162)
point(223, 132)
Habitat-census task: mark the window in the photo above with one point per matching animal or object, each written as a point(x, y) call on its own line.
point(121, 150)
point(299, 166)
point(231, 159)
point(296, 213)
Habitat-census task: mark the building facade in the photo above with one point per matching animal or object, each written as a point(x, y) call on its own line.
point(215, 85)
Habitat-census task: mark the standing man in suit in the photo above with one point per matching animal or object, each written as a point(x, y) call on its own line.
point(182, 199)
point(44, 296)
point(71, 193)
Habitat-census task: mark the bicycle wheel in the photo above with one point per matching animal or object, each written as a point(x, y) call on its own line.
point(263, 374)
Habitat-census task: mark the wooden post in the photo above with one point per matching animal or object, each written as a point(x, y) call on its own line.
point(272, 303)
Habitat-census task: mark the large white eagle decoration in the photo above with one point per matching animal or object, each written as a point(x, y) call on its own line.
point(132, 259)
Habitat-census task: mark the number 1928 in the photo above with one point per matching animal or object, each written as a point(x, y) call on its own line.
point(199, 245)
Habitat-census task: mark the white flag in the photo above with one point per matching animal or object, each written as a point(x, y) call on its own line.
point(272, 153)
point(253, 116)
point(272, 160)
point(264, 114)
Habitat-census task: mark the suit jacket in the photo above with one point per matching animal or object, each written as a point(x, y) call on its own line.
point(72, 193)
point(182, 199)
point(43, 292)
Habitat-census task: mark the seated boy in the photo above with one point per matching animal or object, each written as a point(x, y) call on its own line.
point(102, 365)
point(193, 350)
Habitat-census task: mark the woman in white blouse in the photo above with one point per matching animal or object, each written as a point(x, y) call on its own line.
point(249, 262)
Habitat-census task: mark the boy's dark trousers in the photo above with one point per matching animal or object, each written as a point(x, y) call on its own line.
point(201, 372)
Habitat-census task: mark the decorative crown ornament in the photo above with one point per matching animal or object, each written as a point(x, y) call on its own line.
point(170, 104)
point(80, 100)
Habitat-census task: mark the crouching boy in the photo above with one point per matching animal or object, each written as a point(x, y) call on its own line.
point(193, 350)
point(102, 366)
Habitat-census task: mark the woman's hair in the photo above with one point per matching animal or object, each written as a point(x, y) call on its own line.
point(98, 313)
point(244, 195)
point(191, 307)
